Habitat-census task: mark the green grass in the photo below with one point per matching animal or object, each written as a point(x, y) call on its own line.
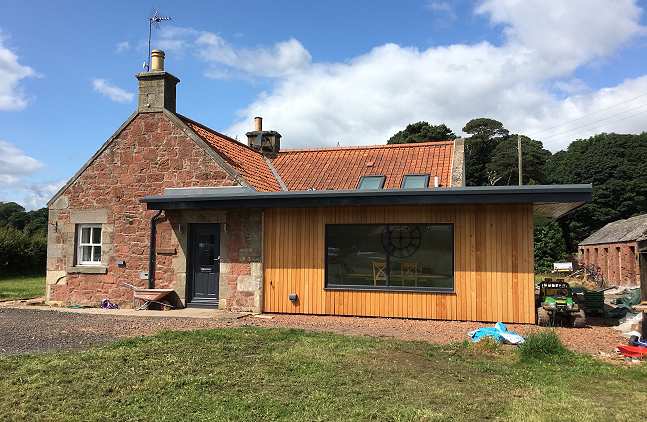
point(276, 374)
point(545, 344)
point(21, 287)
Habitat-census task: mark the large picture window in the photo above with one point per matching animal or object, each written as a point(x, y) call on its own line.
point(390, 256)
point(88, 244)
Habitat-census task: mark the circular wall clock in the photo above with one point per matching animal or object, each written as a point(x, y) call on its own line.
point(401, 241)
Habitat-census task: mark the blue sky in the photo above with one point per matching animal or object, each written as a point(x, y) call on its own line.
point(321, 73)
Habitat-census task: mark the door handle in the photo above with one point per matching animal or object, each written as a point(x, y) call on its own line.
point(217, 259)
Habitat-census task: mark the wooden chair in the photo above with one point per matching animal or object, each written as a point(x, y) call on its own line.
point(379, 271)
point(409, 272)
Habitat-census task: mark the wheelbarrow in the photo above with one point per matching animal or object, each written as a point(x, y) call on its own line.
point(148, 296)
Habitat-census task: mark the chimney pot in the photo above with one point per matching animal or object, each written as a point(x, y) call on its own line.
point(157, 61)
point(258, 123)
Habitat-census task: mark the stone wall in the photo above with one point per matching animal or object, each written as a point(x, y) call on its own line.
point(150, 154)
point(617, 262)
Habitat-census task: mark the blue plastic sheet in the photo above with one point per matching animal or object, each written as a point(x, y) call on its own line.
point(499, 333)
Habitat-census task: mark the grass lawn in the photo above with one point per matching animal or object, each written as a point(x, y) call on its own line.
point(21, 287)
point(271, 374)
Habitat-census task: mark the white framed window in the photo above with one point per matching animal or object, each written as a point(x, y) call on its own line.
point(88, 250)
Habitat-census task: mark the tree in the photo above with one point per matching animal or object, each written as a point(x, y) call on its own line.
point(9, 210)
point(550, 245)
point(503, 163)
point(23, 239)
point(422, 132)
point(486, 134)
point(485, 129)
point(616, 165)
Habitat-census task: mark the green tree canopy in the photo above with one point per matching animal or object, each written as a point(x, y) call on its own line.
point(23, 239)
point(550, 245)
point(502, 169)
point(616, 165)
point(485, 129)
point(479, 147)
point(422, 132)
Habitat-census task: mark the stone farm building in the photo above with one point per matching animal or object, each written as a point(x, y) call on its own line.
point(614, 251)
point(384, 230)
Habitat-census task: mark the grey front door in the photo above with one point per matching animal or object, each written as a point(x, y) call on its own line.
point(204, 264)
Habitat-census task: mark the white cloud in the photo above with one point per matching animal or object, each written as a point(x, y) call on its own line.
point(36, 195)
point(14, 163)
point(278, 60)
point(283, 58)
point(15, 168)
point(12, 73)
point(444, 8)
point(370, 97)
point(122, 46)
point(111, 91)
point(565, 33)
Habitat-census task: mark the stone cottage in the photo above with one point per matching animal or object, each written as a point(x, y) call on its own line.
point(382, 230)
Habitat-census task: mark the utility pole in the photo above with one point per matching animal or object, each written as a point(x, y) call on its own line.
point(519, 159)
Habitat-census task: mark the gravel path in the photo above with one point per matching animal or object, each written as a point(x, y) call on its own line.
point(30, 330)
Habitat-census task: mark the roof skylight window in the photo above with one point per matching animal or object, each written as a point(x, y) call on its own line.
point(415, 181)
point(371, 182)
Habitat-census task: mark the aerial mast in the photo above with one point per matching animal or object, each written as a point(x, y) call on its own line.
point(153, 21)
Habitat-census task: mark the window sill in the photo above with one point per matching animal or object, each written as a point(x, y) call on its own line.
point(87, 269)
point(391, 289)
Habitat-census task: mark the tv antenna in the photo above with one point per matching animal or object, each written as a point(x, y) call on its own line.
point(153, 21)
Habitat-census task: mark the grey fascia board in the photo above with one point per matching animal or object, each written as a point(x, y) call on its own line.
point(545, 194)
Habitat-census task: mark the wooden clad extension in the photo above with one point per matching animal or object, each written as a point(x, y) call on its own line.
point(493, 263)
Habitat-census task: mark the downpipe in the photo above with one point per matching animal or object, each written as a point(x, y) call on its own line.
point(152, 249)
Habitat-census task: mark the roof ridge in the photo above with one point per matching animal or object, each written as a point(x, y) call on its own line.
point(375, 146)
point(215, 132)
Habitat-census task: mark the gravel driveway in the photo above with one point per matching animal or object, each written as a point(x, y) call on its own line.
point(30, 330)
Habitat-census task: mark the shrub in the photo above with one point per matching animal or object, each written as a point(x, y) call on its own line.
point(540, 345)
point(20, 253)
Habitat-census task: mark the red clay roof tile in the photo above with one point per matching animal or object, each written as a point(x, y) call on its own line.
point(342, 167)
point(331, 168)
point(249, 163)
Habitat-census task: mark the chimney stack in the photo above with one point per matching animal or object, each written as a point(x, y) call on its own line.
point(156, 87)
point(267, 142)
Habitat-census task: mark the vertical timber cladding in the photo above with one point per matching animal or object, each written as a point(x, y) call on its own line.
point(493, 263)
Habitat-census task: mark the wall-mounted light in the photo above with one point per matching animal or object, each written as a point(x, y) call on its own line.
point(293, 297)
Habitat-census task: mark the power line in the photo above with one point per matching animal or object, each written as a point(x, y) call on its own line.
point(590, 114)
point(594, 124)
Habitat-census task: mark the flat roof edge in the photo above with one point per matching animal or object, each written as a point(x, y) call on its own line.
point(570, 196)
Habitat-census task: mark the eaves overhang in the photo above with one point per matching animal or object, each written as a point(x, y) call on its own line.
point(548, 200)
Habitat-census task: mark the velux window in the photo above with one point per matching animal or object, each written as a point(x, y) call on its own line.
point(371, 182)
point(88, 244)
point(390, 256)
point(415, 181)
